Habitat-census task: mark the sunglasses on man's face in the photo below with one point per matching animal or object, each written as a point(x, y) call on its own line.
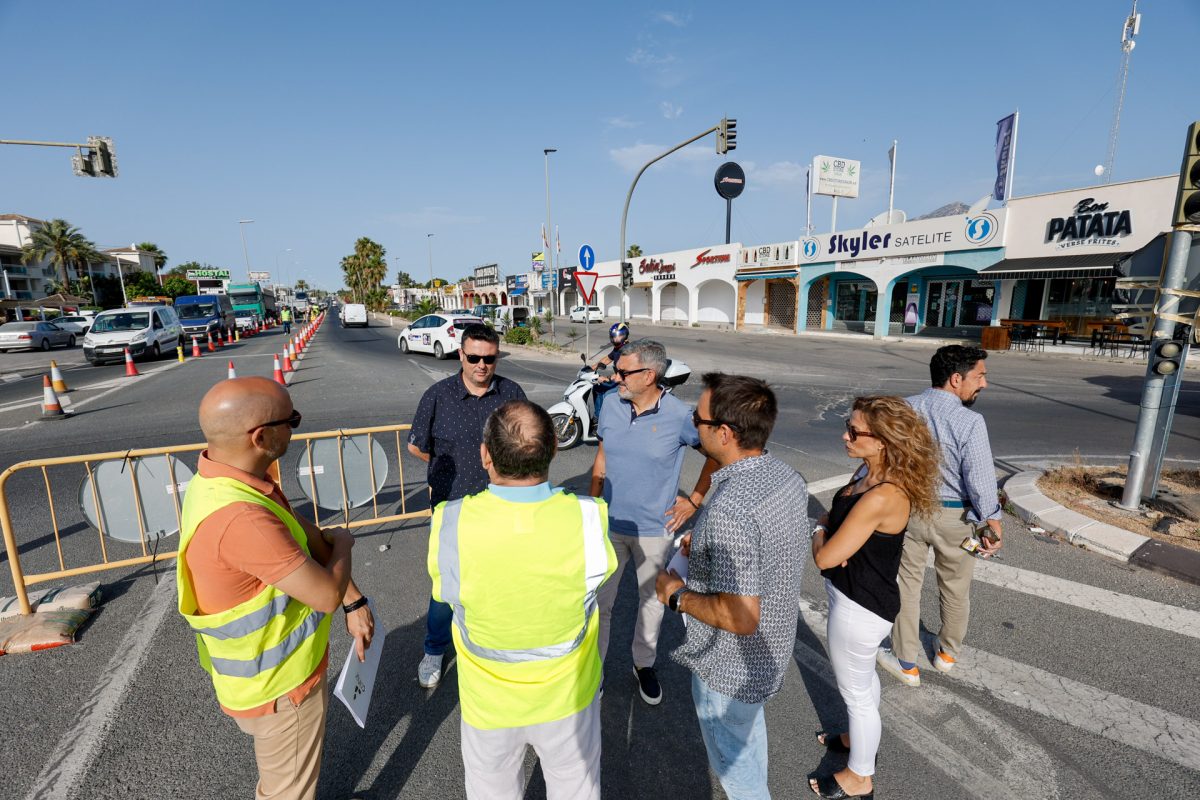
point(292, 422)
point(854, 434)
point(475, 359)
point(697, 420)
point(625, 373)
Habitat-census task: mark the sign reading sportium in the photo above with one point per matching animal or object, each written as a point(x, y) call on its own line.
point(835, 176)
point(208, 274)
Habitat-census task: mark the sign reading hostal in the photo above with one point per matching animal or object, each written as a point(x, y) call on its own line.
point(837, 177)
point(208, 274)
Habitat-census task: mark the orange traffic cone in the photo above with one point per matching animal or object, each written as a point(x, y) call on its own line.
point(232, 372)
point(211, 348)
point(279, 373)
point(287, 363)
point(56, 379)
point(130, 368)
point(51, 408)
point(227, 339)
point(195, 347)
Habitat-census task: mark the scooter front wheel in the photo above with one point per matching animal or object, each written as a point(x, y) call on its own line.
point(567, 430)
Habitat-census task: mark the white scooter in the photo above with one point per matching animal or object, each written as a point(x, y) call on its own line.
point(573, 418)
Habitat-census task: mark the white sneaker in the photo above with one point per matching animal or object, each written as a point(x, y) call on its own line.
point(887, 659)
point(429, 671)
point(943, 662)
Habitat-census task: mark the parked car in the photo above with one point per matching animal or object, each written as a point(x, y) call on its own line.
point(505, 317)
point(33, 336)
point(440, 334)
point(77, 325)
point(354, 314)
point(147, 331)
point(587, 314)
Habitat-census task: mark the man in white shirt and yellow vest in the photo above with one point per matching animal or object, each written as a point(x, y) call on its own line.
point(521, 565)
point(257, 584)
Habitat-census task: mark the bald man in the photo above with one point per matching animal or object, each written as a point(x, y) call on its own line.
point(257, 583)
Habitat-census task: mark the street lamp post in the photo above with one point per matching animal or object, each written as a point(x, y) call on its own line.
point(242, 223)
point(550, 232)
point(121, 280)
point(429, 240)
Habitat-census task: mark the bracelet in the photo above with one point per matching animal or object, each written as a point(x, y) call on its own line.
point(690, 500)
point(819, 528)
point(356, 605)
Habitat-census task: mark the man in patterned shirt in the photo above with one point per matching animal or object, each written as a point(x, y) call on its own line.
point(742, 589)
point(969, 499)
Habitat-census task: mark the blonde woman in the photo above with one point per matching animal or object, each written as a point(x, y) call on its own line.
point(857, 546)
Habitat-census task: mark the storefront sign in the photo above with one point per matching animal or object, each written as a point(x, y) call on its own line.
point(708, 257)
point(658, 269)
point(835, 176)
point(208, 274)
point(487, 275)
point(1092, 223)
point(538, 262)
point(886, 244)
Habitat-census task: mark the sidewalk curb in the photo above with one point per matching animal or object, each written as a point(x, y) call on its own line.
point(1036, 509)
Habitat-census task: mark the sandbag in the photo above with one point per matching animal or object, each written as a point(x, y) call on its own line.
point(57, 598)
point(41, 631)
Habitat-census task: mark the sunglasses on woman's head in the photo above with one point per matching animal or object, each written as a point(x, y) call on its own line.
point(475, 359)
point(854, 434)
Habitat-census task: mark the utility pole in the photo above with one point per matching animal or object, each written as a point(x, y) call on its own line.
point(242, 223)
point(429, 241)
point(550, 255)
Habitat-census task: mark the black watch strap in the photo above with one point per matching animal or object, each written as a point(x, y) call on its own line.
point(673, 600)
point(356, 605)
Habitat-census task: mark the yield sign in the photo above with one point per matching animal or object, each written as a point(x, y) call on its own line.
point(587, 285)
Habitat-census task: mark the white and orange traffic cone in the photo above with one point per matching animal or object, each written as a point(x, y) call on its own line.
point(195, 347)
point(56, 379)
point(211, 346)
point(287, 363)
point(130, 368)
point(51, 408)
point(232, 372)
point(279, 373)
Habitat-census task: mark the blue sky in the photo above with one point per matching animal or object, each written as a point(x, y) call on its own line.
point(325, 122)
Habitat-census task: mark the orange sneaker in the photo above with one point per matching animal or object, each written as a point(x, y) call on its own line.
point(887, 659)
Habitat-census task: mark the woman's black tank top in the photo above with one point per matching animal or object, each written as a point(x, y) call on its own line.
point(869, 577)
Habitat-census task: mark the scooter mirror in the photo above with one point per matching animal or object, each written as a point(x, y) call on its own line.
point(583, 358)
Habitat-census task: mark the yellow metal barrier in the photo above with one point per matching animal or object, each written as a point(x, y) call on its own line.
point(102, 559)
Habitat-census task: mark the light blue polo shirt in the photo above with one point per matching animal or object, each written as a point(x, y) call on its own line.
point(643, 456)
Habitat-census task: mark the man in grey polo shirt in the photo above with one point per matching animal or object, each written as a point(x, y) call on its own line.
point(644, 435)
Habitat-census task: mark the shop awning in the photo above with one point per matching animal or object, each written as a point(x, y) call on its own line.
point(754, 276)
point(520, 290)
point(1091, 265)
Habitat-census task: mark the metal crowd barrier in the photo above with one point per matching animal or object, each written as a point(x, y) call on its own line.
point(129, 501)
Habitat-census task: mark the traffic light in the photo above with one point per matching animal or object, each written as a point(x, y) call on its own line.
point(626, 274)
point(84, 163)
point(1165, 356)
point(726, 136)
point(1187, 199)
point(104, 156)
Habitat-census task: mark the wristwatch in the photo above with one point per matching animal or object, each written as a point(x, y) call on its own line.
point(673, 600)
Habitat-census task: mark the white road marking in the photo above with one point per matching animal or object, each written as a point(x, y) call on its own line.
point(71, 760)
point(829, 484)
point(111, 385)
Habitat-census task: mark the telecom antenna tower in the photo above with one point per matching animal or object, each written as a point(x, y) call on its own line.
point(1129, 31)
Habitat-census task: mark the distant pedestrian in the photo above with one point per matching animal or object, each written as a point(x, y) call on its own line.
point(857, 546)
point(286, 317)
point(969, 499)
point(644, 435)
point(521, 563)
point(446, 433)
point(257, 583)
point(746, 556)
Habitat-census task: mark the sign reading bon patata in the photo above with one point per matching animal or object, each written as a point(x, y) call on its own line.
point(909, 238)
point(1092, 223)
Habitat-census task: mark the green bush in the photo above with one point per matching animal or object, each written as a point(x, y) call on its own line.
point(518, 336)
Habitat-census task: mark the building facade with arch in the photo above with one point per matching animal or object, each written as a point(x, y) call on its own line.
point(683, 287)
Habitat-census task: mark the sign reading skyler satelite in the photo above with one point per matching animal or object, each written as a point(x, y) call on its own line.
point(939, 235)
point(835, 176)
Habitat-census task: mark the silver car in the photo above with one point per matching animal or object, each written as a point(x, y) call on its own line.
point(33, 336)
point(78, 325)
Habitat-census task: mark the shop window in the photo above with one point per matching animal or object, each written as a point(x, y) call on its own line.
point(855, 301)
point(899, 298)
point(1080, 298)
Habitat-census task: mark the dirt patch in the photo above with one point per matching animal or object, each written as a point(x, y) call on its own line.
point(1174, 516)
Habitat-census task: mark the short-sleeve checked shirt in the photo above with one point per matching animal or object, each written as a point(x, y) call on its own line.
point(968, 472)
point(751, 538)
point(449, 426)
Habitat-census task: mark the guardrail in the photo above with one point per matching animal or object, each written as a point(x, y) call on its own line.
point(131, 499)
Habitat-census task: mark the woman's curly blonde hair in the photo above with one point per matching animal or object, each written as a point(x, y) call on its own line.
point(911, 456)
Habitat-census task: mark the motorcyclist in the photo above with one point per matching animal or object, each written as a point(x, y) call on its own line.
point(618, 335)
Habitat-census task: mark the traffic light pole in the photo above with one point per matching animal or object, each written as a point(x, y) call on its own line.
point(92, 145)
point(629, 196)
point(1152, 389)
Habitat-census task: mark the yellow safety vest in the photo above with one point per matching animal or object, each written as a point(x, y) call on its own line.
point(522, 579)
point(262, 648)
point(286, 315)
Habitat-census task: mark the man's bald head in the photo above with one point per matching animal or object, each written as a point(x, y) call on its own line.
point(519, 437)
point(233, 408)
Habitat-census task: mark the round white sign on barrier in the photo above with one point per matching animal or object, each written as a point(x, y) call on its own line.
point(356, 466)
point(111, 483)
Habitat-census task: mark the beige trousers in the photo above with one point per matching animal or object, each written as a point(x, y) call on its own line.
point(649, 556)
point(288, 744)
point(953, 566)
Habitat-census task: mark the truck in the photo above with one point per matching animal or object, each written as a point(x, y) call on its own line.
point(300, 301)
point(252, 302)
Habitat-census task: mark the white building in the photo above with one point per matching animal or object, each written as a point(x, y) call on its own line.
point(684, 286)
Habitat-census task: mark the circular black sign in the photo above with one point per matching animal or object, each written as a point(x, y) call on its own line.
point(729, 180)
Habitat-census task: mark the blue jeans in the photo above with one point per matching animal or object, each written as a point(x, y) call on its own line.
point(735, 736)
point(598, 393)
point(287, 327)
point(437, 627)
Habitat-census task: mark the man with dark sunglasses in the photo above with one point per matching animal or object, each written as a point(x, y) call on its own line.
point(446, 433)
point(258, 585)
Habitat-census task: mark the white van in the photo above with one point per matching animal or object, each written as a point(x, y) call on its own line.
point(148, 331)
point(354, 314)
point(505, 317)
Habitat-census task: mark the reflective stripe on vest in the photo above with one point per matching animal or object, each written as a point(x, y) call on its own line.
point(272, 658)
point(595, 568)
point(244, 626)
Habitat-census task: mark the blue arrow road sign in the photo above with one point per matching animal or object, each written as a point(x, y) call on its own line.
point(587, 258)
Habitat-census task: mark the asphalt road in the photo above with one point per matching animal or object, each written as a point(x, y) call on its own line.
point(1078, 681)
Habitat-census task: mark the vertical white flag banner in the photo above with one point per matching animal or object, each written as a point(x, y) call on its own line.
point(1004, 154)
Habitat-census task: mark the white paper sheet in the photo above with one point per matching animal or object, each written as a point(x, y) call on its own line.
point(357, 681)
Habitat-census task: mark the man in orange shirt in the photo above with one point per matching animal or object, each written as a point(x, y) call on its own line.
point(256, 583)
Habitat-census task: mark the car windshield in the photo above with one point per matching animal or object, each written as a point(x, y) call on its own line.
point(197, 310)
point(14, 327)
point(244, 312)
point(121, 322)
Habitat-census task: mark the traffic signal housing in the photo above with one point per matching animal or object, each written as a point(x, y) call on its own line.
point(726, 136)
point(626, 274)
point(104, 156)
point(1187, 198)
point(1165, 356)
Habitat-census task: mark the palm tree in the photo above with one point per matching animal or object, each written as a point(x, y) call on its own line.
point(160, 258)
point(301, 284)
point(63, 245)
point(633, 252)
